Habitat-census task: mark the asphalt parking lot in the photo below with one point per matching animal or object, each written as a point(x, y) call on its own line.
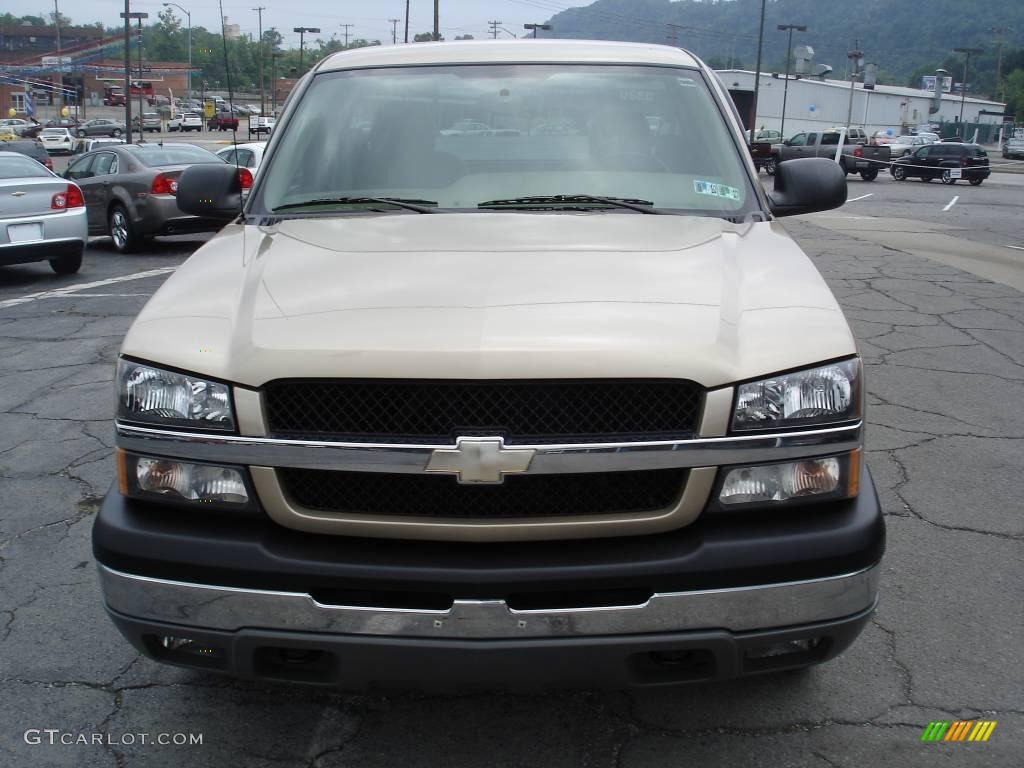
point(934, 290)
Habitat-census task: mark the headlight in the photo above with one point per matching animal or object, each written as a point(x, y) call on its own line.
point(154, 396)
point(184, 482)
point(824, 395)
point(821, 479)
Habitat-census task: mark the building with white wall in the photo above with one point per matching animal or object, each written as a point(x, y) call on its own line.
point(813, 104)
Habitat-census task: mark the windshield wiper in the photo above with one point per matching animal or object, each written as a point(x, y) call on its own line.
point(546, 201)
point(420, 206)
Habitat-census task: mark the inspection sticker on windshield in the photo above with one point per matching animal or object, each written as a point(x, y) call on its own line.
point(716, 190)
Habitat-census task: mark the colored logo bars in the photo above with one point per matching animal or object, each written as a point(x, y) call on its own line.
point(959, 730)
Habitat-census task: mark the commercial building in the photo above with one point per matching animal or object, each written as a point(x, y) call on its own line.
point(814, 104)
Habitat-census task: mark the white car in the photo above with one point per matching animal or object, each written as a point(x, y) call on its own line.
point(88, 145)
point(245, 155)
point(187, 121)
point(904, 145)
point(57, 140)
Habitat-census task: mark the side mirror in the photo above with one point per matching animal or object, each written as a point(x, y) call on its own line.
point(807, 185)
point(211, 190)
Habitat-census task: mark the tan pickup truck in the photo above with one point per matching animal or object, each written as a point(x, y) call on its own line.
point(557, 404)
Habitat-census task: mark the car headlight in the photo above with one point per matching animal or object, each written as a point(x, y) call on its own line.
point(154, 396)
point(827, 394)
point(827, 478)
point(184, 483)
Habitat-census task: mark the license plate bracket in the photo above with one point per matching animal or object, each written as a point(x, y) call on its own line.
point(955, 173)
point(25, 233)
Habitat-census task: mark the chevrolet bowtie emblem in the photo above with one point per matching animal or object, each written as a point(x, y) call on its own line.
point(480, 460)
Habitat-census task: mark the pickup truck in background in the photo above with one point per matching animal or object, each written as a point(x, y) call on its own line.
point(223, 121)
point(857, 155)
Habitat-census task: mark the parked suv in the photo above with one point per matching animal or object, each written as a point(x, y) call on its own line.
point(947, 161)
point(537, 408)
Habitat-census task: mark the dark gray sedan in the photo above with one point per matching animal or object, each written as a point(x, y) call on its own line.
point(130, 191)
point(101, 126)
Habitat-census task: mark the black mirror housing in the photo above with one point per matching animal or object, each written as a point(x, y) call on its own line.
point(807, 185)
point(210, 190)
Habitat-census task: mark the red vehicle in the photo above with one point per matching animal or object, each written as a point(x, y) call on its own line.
point(223, 121)
point(113, 96)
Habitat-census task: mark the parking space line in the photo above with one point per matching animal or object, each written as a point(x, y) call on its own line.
point(1016, 247)
point(57, 293)
point(951, 203)
point(854, 200)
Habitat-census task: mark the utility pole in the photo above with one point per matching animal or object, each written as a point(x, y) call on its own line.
point(672, 38)
point(495, 25)
point(263, 98)
point(128, 16)
point(346, 26)
point(998, 42)
point(407, 21)
point(854, 56)
point(274, 56)
point(394, 30)
point(535, 27)
point(437, 20)
point(302, 41)
point(142, 135)
point(60, 69)
point(963, 86)
point(789, 58)
point(757, 77)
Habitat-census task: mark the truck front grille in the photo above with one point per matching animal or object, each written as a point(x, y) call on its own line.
point(437, 411)
point(524, 496)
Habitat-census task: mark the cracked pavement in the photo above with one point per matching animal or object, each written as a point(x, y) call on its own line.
point(944, 355)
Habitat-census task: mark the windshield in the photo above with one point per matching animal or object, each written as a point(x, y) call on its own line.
point(462, 136)
point(55, 131)
point(176, 154)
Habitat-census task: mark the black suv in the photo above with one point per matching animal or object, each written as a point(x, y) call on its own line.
point(33, 149)
point(946, 161)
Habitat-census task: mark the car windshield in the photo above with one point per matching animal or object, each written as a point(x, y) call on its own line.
point(462, 136)
point(55, 132)
point(177, 154)
point(18, 167)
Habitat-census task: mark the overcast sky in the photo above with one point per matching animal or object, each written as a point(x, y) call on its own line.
point(368, 17)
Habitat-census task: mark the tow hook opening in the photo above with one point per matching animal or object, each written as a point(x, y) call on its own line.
point(303, 665)
point(786, 653)
point(691, 664)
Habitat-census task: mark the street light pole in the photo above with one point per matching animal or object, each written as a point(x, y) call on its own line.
point(789, 56)
point(188, 75)
point(963, 85)
point(263, 98)
point(854, 56)
point(302, 41)
point(757, 77)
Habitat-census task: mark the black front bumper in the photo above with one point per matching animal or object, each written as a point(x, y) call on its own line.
point(716, 552)
point(362, 662)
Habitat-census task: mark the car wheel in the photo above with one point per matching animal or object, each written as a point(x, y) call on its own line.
point(771, 166)
point(120, 229)
point(117, 132)
point(67, 265)
point(81, 134)
point(899, 173)
point(975, 182)
point(947, 177)
point(869, 175)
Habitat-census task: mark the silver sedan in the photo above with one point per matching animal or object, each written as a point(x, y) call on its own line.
point(42, 216)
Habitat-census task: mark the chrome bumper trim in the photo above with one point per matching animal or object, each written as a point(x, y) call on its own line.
point(737, 609)
point(548, 459)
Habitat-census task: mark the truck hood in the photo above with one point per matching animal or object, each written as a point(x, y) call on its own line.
point(494, 295)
